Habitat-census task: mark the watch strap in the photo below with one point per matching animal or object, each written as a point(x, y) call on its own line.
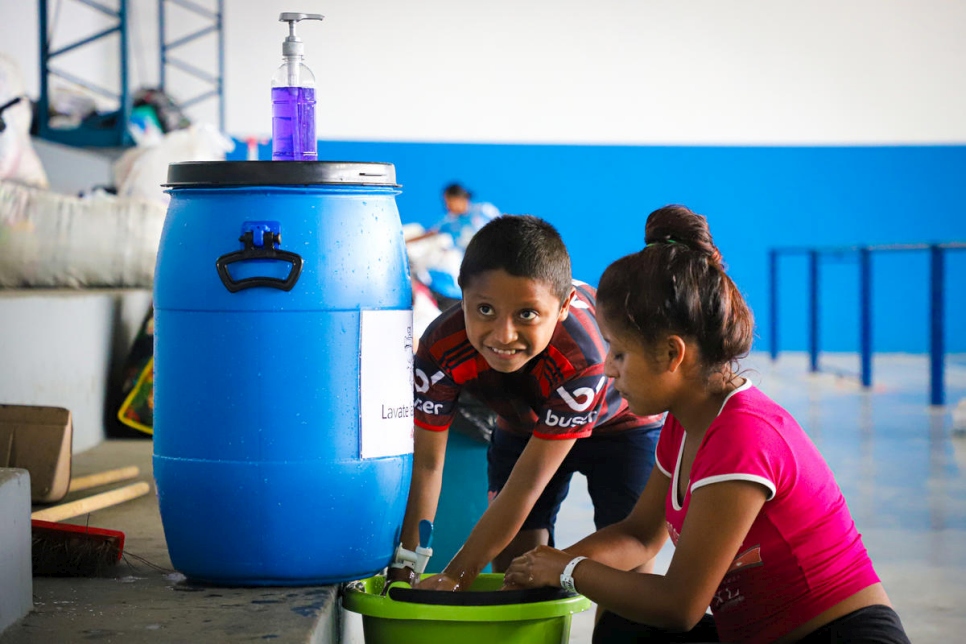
point(567, 576)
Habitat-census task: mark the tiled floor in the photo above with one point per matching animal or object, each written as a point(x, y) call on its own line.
point(900, 463)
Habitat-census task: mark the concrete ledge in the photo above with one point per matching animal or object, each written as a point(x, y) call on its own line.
point(16, 577)
point(65, 348)
point(142, 600)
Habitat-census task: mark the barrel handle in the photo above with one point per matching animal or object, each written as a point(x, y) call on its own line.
point(267, 251)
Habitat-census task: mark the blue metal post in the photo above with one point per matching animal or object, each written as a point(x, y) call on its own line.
point(163, 48)
point(865, 314)
point(813, 288)
point(936, 313)
point(43, 106)
point(124, 99)
point(773, 285)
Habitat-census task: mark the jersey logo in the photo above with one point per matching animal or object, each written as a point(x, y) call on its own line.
point(423, 383)
point(583, 397)
point(748, 558)
point(553, 420)
point(725, 596)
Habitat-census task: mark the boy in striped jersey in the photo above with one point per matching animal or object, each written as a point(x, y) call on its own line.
point(525, 342)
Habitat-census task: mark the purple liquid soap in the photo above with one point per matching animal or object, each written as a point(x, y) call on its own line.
point(293, 124)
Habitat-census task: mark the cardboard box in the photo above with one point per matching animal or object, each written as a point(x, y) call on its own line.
point(38, 439)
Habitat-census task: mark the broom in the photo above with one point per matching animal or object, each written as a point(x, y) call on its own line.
point(68, 550)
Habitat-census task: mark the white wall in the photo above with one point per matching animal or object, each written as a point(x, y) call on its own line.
point(571, 71)
point(67, 348)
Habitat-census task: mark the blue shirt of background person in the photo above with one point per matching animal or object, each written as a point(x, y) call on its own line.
point(463, 216)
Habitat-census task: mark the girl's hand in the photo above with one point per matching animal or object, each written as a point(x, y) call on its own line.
point(438, 582)
point(539, 567)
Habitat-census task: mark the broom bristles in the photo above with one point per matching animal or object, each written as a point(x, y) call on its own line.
point(67, 550)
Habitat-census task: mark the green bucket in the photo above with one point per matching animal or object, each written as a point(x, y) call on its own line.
point(387, 621)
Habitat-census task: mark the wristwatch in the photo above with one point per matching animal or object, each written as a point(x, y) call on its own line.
point(567, 576)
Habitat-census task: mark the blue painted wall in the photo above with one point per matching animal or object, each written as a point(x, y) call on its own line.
point(755, 198)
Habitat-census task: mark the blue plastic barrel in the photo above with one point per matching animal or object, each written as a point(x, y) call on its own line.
point(283, 353)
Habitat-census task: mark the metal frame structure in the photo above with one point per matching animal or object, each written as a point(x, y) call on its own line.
point(111, 130)
point(106, 131)
point(937, 276)
point(212, 24)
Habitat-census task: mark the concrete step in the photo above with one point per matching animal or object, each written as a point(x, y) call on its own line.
point(16, 578)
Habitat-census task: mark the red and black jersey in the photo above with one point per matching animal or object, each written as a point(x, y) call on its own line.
point(560, 393)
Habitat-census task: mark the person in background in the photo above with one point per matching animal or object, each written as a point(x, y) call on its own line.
point(761, 530)
point(464, 217)
point(437, 252)
point(525, 343)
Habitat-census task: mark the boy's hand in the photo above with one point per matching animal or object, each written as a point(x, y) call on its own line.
point(393, 575)
point(438, 582)
point(539, 567)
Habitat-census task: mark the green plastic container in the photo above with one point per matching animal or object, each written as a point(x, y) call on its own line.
point(386, 621)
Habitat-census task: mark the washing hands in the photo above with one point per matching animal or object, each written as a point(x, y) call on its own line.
point(441, 581)
point(407, 575)
point(539, 567)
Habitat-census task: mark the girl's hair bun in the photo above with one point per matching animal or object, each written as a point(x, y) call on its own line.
point(679, 225)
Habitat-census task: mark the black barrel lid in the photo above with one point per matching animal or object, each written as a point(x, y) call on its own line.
point(279, 173)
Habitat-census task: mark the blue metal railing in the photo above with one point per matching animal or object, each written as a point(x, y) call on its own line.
point(937, 275)
point(216, 80)
point(112, 131)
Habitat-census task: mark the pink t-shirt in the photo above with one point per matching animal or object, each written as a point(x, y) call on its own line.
point(803, 553)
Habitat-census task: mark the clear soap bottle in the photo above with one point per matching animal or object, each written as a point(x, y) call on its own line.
point(293, 99)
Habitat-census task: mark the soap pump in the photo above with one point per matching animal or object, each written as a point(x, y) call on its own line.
point(293, 99)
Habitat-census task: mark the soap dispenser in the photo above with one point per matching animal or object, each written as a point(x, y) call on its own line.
point(293, 99)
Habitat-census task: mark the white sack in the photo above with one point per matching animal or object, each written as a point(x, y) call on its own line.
point(49, 239)
point(141, 170)
point(18, 159)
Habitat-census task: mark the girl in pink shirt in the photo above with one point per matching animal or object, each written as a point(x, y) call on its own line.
point(761, 530)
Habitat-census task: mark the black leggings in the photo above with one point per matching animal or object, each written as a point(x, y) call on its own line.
point(613, 629)
point(869, 625)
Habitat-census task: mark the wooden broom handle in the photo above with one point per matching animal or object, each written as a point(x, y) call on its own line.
point(103, 478)
point(92, 503)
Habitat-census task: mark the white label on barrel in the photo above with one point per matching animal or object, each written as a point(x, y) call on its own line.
point(386, 383)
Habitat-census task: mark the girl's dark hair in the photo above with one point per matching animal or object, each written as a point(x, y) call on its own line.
point(523, 246)
point(677, 285)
